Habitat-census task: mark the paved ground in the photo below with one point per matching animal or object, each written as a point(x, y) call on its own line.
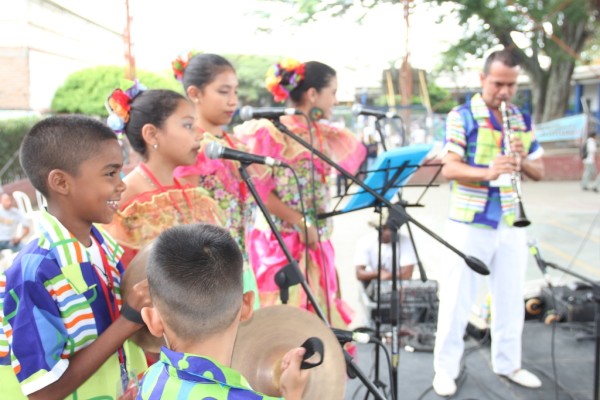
point(566, 225)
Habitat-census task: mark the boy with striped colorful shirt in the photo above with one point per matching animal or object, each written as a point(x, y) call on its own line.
point(64, 327)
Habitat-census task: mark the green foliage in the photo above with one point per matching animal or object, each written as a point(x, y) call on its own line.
point(310, 10)
point(591, 51)
point(534, 30)
point(441, 99)
point(554, 28)
point(85, 91)
point(12, 132)
point(251, 71)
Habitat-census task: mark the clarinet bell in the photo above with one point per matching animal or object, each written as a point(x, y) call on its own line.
point(521, 220)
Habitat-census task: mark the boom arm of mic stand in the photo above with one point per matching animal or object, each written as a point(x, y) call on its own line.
point(293, 265)
point(473, 263)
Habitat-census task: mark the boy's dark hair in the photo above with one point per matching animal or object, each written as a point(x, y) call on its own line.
point(505, 56)
point(195, 279)
point(202, 69)
point(150, 107)
point(316, 75)
point(60, 142)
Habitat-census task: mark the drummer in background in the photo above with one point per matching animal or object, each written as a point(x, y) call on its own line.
point(204, 262)
point(366, 257)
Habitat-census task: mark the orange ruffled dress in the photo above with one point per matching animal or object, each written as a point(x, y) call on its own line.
point(145, 216)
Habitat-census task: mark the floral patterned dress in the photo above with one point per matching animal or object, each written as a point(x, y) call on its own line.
point(220, 178)
point(266, 255)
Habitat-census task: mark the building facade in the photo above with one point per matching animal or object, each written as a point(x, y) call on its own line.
point(43, 41)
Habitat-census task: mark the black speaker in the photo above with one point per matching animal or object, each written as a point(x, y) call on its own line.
point(571, 303)
point(419, 302)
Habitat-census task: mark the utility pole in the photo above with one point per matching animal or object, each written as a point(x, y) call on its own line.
point(129, 58)
point(406, 76)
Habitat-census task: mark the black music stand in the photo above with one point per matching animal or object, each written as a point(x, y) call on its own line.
point(391, 172)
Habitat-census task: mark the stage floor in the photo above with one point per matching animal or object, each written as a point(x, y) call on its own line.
point(566, 224)
point(574, 360)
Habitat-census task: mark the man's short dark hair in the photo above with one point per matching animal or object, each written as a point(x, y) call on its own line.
point(505, 56)
point(60, 142)
point(195, 279)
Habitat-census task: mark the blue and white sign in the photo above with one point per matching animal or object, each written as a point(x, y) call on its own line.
point(568, 128)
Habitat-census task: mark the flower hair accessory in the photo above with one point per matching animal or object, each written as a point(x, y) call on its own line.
point(180, 64)
point(283, 77)
point(118, 104)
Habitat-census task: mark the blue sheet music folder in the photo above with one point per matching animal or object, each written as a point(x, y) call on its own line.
point(390, 161)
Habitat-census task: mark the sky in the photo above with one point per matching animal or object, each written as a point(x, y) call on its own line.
point(358, 52)
point(162, 29)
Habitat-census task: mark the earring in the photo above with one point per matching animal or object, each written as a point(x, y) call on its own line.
point(155, 146)
point(316, 113)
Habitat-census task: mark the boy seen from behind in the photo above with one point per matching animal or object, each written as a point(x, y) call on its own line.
point(195, 280)
point(63, 328)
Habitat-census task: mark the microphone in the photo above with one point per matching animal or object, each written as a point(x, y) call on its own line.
point(247, 113)
point(348, 336)
point(358, 109)
point(532, 243)
point(214, 150)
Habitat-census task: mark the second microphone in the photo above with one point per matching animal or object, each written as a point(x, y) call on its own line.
point(214, 151)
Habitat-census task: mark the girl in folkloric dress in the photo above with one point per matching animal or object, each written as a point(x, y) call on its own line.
point(211, 83)
point(311, 88)
point(161, 126)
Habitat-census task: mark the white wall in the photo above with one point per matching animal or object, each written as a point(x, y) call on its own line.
point(60, 37)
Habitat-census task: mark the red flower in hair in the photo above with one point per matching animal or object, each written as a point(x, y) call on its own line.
point(180, 64)
point(120, 104)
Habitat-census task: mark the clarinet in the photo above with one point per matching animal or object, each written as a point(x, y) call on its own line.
point(515, 177)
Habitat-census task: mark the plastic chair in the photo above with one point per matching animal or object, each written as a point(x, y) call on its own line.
point(23, 202)
point(41, 200)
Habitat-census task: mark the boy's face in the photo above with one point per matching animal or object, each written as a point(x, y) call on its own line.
point(97, 188)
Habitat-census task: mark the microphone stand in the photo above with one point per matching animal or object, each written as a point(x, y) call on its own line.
point(393, 223)
point(380, 132)
point(395, 296)
point(473, 263)
point(596, 297)
point(291, 275)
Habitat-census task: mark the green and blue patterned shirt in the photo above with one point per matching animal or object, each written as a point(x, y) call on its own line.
point(186, 376)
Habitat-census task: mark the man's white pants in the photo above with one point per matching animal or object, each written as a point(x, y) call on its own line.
point(504, 252)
